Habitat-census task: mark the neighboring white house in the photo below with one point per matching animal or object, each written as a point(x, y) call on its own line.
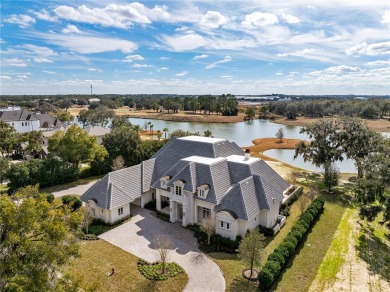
point(22, 120)
point(197, 178)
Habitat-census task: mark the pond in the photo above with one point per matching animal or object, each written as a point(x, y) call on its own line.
point(287, 156)
point(241, 133)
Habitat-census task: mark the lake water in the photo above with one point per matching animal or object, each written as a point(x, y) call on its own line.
point(241, 133)
point(287, 156)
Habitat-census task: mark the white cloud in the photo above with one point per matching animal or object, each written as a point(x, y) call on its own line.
point(311, 54)
point(141, 66)
point(184, 43)
point(259, 19)
point(227, 76)
point(70, 28)
point(386, 17)
point(290, 18)
point(114, 15)
point(164, 58)
point(88, 43)
point(132, 58)
point(374, 49)
point(279, 74)
point(378, 63)
point(225, 60)
point(213, 19)
point(49, 72)
point(5, 78)
point(164, 68)
point(42, 60)
point(22, 76)
point(342, 69)
point(94, 70)
point(43, 14)
point(38, 50)
point(203, 56)
point(181, 74)
point(15, 62)
point(182, 28)
point(21, 19)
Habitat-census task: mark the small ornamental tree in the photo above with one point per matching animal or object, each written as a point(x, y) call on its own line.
point(280, 135)
point(163, 246)
point(251, 248)
point(331, 176)
point(208, 227)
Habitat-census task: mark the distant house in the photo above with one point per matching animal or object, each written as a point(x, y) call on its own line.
point(191, 179)
point(92, 100)
point(98, 132)
point(22, 120)
point(48, 122)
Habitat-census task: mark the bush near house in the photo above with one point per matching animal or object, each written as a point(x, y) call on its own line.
point(277, 260)
point(285, 209)
point(99, 226)
point(217, 242)
point(73, 201)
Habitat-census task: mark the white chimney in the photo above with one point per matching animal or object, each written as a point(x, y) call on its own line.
point(247, 154)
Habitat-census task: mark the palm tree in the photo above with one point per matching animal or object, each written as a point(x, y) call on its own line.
point(159, 134)
point(137, 128)
point(151, 130)
point(165, 130)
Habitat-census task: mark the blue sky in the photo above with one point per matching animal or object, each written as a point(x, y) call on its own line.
point(195, 47)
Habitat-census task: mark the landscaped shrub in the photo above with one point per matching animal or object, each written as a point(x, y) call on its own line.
point(274, 267)
point(50, 198)
point(85, 172)
point(277, 257)
point(163, 216)
point(290, 244)
point(98, 226)
point(266, 231)
point(150, 205)
point(152, 271)
point(285, 211)
point(266, 279)
point(72, 201)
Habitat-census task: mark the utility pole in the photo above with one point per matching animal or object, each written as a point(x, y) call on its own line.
point(91, 89)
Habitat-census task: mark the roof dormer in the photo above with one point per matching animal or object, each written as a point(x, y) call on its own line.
point(203, 190)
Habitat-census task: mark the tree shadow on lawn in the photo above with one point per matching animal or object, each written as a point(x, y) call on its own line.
point(374, 252)
point(240, 284)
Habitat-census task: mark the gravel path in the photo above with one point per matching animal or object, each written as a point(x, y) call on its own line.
point(138, 236)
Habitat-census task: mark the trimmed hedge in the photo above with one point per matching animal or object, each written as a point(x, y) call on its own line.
point(266, 231)
point(278, 259)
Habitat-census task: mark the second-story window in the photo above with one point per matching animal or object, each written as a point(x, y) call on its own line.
point(178, 190)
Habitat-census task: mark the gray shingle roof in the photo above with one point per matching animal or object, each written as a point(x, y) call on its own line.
point(240, 186)
point(47, 121)
point(116, 188)
point(18, 115)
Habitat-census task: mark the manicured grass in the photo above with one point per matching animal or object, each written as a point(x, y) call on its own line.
point(97, 258)
point(335, 255)
point(300, 273)
point(81, 181)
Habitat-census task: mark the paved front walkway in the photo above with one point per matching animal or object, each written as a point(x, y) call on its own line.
point(138, 236)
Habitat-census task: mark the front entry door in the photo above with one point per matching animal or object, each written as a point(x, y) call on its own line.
point(179, 212)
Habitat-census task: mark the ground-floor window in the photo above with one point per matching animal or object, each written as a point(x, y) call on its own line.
point(206, 213)
point(120, 211)
point(225, 225)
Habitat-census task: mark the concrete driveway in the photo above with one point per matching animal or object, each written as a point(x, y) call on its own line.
point(138, 236)
point(77, 190)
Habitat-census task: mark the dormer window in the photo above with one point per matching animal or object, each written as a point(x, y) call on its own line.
point(178, 187)
point(178, 190)
point(203, 191)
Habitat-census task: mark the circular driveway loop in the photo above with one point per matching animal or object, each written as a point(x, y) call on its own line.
point(138, 236)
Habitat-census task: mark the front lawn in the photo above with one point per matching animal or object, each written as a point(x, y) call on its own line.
point(98, 258)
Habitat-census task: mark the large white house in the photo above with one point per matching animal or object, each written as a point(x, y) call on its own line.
point(195, 178)
point(22, 120)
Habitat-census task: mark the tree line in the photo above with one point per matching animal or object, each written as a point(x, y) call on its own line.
point(366, 109)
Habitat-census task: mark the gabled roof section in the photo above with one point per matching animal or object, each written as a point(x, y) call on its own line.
point(18, 115)
point(48, 121)
point(116, 188)
point(268, 195)
point(147, 167)
point(267, 174)
point(188, 175)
